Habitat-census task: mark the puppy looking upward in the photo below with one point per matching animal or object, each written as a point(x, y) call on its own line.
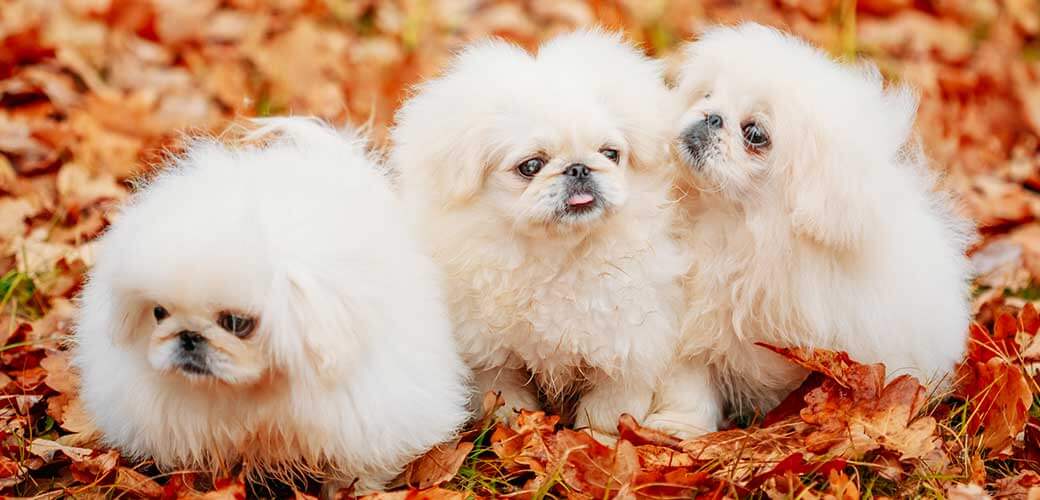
point(267, 304)
point(540, 189)
point(811, 218)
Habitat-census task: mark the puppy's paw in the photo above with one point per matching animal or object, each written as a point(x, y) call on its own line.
point(601, 407)
point(515, 388)
point(681, 425)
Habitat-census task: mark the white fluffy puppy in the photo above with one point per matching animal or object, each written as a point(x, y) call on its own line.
point(812, 222)
point(266, 304)
point(540, 189)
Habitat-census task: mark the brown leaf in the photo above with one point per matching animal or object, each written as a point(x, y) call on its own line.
point(136, 484)
point(60, 374)
point(437, 466)
point(1000, 397)
point(94, 468)
point(593, 468)
point(46, 449)
point(11, 472)
point(1018, 487)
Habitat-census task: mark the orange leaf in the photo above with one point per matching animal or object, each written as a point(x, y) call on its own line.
point(438, 465)
point(1000, 397)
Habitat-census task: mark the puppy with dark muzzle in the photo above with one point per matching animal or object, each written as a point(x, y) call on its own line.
point(246, 307)
point(812, 220)
point(540, 183)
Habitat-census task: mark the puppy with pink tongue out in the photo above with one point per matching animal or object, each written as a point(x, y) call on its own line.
point(540, 183)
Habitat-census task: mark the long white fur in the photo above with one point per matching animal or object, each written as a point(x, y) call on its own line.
point(359, 369)
point(834, 239)
point(589, 308)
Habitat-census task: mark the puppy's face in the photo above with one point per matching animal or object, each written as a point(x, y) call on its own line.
point(554, 172)
point(726, 136)
point(774, 124)
point(192, 288)
point(546, 144)
point(200, 317)
point(205, 341)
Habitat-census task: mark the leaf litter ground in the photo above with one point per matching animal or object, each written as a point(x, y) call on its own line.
point(94, 92)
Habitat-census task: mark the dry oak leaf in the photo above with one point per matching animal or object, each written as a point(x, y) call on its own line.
point(94, 468)
point(745, 453)
point(523, 444)
point(13, 213)
point(1000, 398)
point(796, 465)
point(994, 202)
point(136, 484)
point(46, 449)
point(991, 380)
point(437, 466)
point(80, 188)
point(593, 468)
point(60, 374)
point(77, 421)
point(1022, 486)
point(854, 412)
point(1028, 238)
point(11, 472)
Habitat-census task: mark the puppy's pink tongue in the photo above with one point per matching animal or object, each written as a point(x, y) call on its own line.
point(580, 199)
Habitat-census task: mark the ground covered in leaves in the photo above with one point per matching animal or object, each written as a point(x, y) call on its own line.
point(92, 91)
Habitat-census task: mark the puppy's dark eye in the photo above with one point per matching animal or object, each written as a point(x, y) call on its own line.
point(237, 324)
point(611, 154)
point(530, 167)
point(755, 135)
point(160, 313)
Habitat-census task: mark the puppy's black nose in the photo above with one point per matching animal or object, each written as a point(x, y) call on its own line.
point(577, 170)
point(190, 340)
point(713, 120)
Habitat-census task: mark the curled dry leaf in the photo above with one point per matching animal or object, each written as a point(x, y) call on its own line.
point(94, 468)
point(437, 466)
point(46, 449)
point(1025, 486)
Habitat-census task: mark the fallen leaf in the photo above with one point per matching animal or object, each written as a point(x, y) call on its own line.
point(437, 466)
point(46, 449)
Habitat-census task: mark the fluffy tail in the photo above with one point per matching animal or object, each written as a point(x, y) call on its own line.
point(309, 134)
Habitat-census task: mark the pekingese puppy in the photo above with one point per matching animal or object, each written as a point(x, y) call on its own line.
point(812, 221)
point(266, 304)
point(540, 184)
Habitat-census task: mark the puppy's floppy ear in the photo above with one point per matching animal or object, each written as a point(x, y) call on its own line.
point(446, 165)
point(311, 324)
point(442, 139)
point(467, 176)
point(105, 311)
point(835, 186)
point(828, 198)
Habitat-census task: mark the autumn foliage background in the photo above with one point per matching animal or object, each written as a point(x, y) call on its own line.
point(93, 91)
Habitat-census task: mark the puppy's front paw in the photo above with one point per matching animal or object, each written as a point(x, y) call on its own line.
point(681, 425)
point(516, 390)
point(601, 407)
